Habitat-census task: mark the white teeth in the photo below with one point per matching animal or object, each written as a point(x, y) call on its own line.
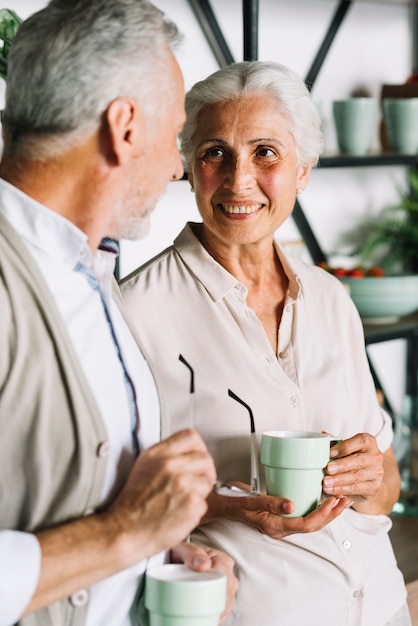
point(231, 208)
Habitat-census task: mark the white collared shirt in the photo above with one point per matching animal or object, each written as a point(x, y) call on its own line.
point(319, 380)
point(57, 246)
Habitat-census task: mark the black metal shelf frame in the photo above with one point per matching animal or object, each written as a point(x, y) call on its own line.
point(406, 328)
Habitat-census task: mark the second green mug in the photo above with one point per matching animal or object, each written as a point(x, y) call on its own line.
point(294, 463)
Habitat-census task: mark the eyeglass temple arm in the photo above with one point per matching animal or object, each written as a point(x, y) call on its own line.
point(255, 475)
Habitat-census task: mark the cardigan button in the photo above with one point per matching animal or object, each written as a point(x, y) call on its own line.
point(79, 598)
point(89, 511)
point(103, 449)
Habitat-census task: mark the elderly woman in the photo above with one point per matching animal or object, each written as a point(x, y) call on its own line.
point(286, 338)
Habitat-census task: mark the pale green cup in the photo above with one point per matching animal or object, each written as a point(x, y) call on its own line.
point(355, 122)
point(401, 117)
point(178, 596)
point(294, 464)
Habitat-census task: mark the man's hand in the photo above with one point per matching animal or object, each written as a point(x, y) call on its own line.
point(202, 559)
point(160, 504)
point(165, 495)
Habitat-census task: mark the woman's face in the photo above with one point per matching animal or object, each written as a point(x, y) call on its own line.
point(244, 170)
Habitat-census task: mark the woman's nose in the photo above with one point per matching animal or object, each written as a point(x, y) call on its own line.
point(240, 175)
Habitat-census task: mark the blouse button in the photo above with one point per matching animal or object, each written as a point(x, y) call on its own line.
point(346, 544)
point(282, 355)
point(79, 598)
point(294, 400)
point(103, 449)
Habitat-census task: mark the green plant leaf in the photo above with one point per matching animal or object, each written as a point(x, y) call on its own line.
point(9, 24)
point(393, 242)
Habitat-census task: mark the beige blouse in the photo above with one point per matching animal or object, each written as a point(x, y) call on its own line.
point(184, 302)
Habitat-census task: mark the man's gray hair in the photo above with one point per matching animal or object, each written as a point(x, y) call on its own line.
point(71, 59)
point(277, 83)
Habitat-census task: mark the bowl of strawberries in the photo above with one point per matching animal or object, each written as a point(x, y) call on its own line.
point(379, 298)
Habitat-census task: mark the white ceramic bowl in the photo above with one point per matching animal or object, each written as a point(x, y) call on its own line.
point(384, 299)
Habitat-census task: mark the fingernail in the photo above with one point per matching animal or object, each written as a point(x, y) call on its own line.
point(287, 507)
point(332, 468)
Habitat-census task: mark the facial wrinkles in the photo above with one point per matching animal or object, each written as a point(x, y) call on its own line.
point(239, 129)
point(158, 160)
point(245, 182)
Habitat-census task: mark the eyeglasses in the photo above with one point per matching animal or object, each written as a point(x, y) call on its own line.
point(221, 487)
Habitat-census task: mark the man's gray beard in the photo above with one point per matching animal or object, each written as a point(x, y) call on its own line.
point(137, 228)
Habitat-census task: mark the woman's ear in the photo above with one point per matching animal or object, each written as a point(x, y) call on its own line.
point(303, 177)
point(125, 125)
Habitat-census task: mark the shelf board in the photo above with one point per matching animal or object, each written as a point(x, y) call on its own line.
point(384, 158)
point(388, 1)
point(404, 327)
point(393, 1)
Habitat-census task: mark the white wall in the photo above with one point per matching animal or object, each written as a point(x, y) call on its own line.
point(373, 47)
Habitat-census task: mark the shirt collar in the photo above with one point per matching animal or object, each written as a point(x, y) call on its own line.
point(215, 278)
point(289, 264)
point(49, 234)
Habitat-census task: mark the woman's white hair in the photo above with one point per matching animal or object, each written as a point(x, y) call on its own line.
point(279, 83)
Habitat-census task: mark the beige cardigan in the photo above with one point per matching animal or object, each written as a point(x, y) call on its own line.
point(50, 425)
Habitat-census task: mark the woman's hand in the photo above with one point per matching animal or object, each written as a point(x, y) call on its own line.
point(263, 513)
point(202, 559)
point(360, 471)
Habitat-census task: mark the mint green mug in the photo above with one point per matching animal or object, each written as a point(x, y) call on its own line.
point(294, 463)
point(401, 117)
point(355, 122)
point(177, 596)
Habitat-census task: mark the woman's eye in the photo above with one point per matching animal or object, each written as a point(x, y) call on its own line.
point(265, 152)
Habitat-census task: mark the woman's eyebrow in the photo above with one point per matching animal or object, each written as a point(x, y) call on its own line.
point(267, 140)
point(210, 140)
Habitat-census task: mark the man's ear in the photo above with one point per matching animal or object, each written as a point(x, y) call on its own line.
point(190, 176)
point(125, 125)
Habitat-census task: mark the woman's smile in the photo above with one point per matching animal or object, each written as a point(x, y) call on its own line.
point(240, 210)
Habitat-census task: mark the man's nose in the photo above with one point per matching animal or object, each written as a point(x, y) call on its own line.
point(179, 167)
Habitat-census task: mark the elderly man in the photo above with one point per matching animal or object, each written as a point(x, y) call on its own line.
point(89, 494)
